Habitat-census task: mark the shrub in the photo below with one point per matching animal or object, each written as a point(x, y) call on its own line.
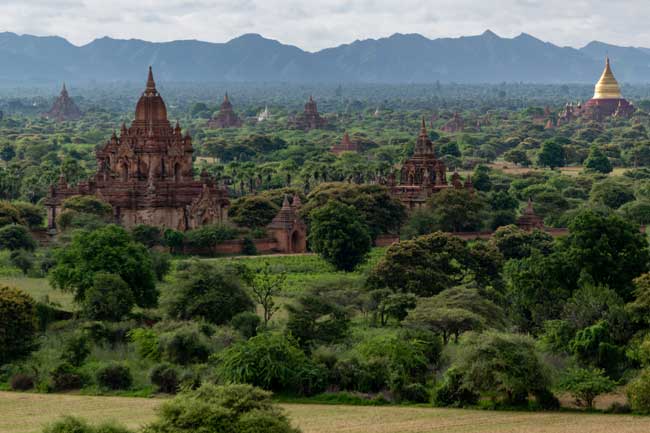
point(184, 346)
point(17, 324)
point(21, 382)
point(15, 237)
point(209, 236)
point(114, 376)
point(270, 361)
point(9, 214)
point(148, 236)
point(165, 377)
point(546, 400)
point(585, 385)
point(146, 343)
point(76, 349)
point(173, 239)
point(248, 247)
point(109, 298)
point(70, 424)
point(638, 392)
point(31, 214)
point(22, 260)
point(246, 323)
point(453, 391)
point(207, 292)
point(415, 393)
point(161, 264)
point(65, 377)
point(232, 409)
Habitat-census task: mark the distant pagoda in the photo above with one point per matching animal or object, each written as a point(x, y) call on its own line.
point(226, 118)
point(346, 145)
point(310, 118)
point(264, 115)
point(64, 108)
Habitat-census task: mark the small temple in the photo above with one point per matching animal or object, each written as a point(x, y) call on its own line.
point(64, 108)
point(346, 145)
point(226, 117)
point(529, 220)
point(264, 115)
point(310, 118)
point(606, 102)
point(423, 175)
point(288, 229)
point(146, 175)
point(455, 124)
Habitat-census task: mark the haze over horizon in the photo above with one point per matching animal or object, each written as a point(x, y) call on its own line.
point(328, 23)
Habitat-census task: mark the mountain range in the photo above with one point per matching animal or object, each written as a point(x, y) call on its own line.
point(400, 58)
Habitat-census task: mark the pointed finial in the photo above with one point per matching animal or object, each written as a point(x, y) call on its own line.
point(311, 98)
point(64, 91)
point(285, 202)
point(225, 98)
point(151, 84)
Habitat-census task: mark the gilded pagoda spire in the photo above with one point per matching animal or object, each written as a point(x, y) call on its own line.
point(607, 87)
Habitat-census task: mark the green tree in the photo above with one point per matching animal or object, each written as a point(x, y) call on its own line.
point(551, 155)
point(204, 291)
point(17, 324)
point(457, 210)
point(586, 384)
point(253, 211)
point(108, 249)
point(15, 237)
point(265, 284)
point(339, 235)
point(109, 298)
point(598, 161)
point(612, 193)
point(316, 318)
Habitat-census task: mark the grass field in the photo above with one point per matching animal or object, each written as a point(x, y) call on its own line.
point(39, 288)
point(27, 413)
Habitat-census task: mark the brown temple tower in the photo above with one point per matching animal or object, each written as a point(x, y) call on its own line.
point(146, 175)
point(288, 229)
point(346, 145)
point(64, 108)
point(226, 118)
point(529, 220)
point(310, 118)
point(423, 174)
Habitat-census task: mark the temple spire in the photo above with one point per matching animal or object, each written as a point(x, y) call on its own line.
point(64, 91)
point(225, 98)
point(151, 84)
point(607, 87)
point(423, 128)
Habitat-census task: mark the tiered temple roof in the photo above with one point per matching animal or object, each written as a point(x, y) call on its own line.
point(310, 118)
point(64, 108)
point(146, 174)
point(346, 145)
point(226, 118)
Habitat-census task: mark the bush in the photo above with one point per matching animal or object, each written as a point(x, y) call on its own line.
point(270, 361)
point(22, 260)
point(453, 391)
point(246, 323)
point(65, 377)
point(17, 324)
point(206, 292)
point(9, 214)
point(231, 409)
point(415, 393)
point(146, 343)
point(209, 236)
point(585, 385)
point(165, 377)
point(114, 376)
point(148, 236)
point(109, 298)
point(546, 400)
point(15, 237)
point(21, 382)
point(31, 214)
point(638, 392)
point(161, 264)
point(184, 346)
point(248, 247)
point(76, 349)
point(70, 424)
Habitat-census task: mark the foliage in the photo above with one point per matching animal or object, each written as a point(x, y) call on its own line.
point(76, 349)
point(69, 424)
point(269, 360)
point(253, 211)
point(31, 214)
point(161, 264)
point(227, 409)
point(209, 236)
point(21, 382)
point(586, 384)
point(17, 324)
point(185, 345)
point(16, 237)
point(114, 376)
point(109, 298)
point(515, 243)
point(65, 377)
point(9, 214)
point(165, 377)
point(638, 392)
point(339, 235)
point(598, 161)
point(457, 210)
point(23, 260)
point(317, 319)
point(107, 249)
point(453, 391)
point(147, 235)
point(206, 292)
point(246, 323)
point(551, 155)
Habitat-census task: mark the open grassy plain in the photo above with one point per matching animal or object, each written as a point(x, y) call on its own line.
point(27, 413)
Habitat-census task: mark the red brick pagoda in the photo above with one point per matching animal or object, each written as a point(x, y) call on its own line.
point(64, 108)
point(423, 175)
point(146, 175)
point(346, 145)
point(226, 118)
point(288, 229)
point(310, 118)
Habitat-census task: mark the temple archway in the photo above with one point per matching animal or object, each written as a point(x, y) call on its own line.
point(177, 172)
point(298, 242)
point(124, 173)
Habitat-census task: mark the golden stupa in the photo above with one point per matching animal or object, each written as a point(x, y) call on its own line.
point(607, 87)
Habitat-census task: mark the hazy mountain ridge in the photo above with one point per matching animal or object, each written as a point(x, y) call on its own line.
point(400, 58)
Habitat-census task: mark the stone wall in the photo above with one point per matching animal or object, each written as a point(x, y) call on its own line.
point(234, 247)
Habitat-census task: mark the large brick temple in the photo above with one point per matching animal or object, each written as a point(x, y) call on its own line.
point(226, 118)
point(64, 108)
point(423, 174)
point(146, 175)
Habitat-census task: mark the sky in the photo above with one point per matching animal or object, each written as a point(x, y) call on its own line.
point(314, 25)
